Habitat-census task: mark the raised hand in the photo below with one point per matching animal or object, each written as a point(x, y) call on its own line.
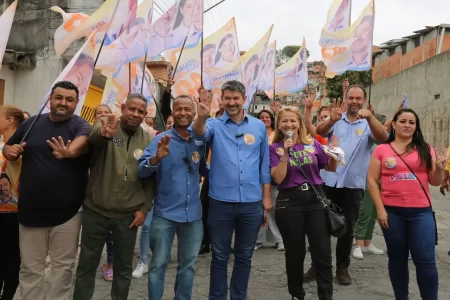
point(204, 104)
point(337, 108)
point(275, 106)
point(170, 83)
point(110, 125)
point(60, 150)
point(345, 85)
point(309, 100)
point(441, 157)
point(14, 151)
point(163, 147)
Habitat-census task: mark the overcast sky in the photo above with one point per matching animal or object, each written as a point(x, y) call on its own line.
point(295, 19)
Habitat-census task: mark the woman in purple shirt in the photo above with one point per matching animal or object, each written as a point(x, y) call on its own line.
point(298, 211)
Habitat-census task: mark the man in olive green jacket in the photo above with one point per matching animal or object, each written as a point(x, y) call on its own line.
point(116, 199)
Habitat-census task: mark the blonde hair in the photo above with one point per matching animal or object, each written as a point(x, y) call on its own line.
point(303, 137)
point(14, 112)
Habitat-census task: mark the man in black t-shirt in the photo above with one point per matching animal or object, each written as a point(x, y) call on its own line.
point(52, 187)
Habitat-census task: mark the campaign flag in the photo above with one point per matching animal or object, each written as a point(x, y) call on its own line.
point(292, 76)
point(6, 21)
point(79, 71)
point(131, 45)
point(339, 15)
point(219, 50)
point(247, 69)
point(267, 77)
point(76, 26)
point(183, 20)
point(118, 87)
point(349, 49)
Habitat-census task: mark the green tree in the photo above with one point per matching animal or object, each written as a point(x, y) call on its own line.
point(288, 51)
point(334, 85)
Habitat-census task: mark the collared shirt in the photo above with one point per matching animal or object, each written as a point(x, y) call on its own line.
point(177, 177)
point(355, 139)
point(239, 158)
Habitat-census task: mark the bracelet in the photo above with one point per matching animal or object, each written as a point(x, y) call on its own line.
point(283, 159)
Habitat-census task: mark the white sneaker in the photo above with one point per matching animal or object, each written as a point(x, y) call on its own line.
point(141, 269)
point(357, 253)
point(280, 246)
point(258, 245)
point(372, 250)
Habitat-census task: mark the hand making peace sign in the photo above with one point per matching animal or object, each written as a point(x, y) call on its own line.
point(441, 157)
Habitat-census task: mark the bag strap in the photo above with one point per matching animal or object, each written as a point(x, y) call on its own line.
point(421, 185)
point(309, 181)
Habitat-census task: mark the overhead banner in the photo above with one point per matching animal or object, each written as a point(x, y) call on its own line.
point(131, 45)
point(292, 76)
point(349, 49)
point(267, 77)
point(118, 87)
point(6, 21)
point(184, 20)
point(339, 15)
point(79, 71)
point(219, 50)
point(76, 26)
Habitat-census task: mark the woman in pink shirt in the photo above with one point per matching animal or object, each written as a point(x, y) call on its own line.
point(405, 166)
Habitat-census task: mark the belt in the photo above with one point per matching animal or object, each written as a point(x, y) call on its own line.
point(302, 187)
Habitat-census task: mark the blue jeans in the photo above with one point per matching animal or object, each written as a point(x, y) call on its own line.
point(162, 233)
point(224, 218)
point(144, 242)
point(109, 249)
point(412, 230)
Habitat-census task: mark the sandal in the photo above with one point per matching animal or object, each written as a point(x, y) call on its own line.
point(107, 273)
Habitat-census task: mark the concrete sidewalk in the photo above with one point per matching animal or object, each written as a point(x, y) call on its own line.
point(268, 277)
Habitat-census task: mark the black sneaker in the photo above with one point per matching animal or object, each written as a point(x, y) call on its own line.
point(343, 277)
point(310, 275)
point(204, 249)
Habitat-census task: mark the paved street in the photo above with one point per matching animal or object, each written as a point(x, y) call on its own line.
point(268, 277)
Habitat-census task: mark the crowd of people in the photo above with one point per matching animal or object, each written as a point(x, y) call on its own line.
point(225, 185)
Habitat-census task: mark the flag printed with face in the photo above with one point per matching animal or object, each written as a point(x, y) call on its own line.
point(79, 71)
point(183, 20)
point(339, 15)
point(118, 86)
point(76, 26)
point(219, 51)
point(131, 44)
point(6, 21)
point(248, 67)
point(267, 76)
point(292, 76)
point(349, 49)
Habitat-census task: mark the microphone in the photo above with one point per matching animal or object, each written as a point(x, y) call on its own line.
point(289, 135)
point(238, 135)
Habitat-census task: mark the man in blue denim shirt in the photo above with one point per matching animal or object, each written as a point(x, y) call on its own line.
point(239, 178)
point(357, 130)
point(175, 158)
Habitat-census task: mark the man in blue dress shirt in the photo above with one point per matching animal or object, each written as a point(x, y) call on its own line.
point(357, 130)
point(239, 186)
point(175, 158)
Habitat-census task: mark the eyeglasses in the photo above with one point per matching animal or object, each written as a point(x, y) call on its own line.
point(188, 164)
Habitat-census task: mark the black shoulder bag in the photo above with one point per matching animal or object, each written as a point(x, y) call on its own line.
point(336, 219)
point(423, 189)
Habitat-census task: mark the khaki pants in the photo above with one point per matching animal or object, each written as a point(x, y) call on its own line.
point(61, 244)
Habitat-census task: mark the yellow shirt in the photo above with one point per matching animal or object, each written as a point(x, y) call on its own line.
point(447, 167)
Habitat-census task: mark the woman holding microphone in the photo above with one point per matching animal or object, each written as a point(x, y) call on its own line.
point(298, 210)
